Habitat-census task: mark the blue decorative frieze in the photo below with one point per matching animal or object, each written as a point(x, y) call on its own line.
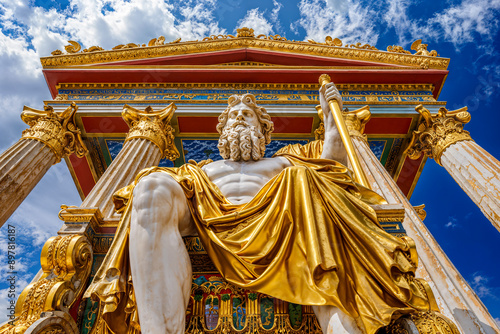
point(115, 146)
point(377, 147)
point(217, 95)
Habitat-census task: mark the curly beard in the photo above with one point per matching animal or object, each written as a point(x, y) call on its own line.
point(242, 142)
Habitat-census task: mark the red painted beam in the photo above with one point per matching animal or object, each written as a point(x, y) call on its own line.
point(207, 124)
point(408, 173)
point(238, 75)
point(388, 126)
point(83, 173)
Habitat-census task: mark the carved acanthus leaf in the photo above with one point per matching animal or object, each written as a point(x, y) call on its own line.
point(436, 133)
point(56, 130)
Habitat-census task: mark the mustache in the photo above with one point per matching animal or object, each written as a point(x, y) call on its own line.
point(237, 123)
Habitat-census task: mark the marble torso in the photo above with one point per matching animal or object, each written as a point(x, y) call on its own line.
point(240, 181)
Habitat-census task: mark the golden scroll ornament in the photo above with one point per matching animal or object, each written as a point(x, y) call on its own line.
point(56, 130)
point(436, 133)
point(43, 306)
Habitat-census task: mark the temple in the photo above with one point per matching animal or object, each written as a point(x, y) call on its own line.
point(116, 112)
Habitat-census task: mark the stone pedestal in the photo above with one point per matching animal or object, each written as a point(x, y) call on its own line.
point(455, 298)
point(50, 137)
point(442, 138)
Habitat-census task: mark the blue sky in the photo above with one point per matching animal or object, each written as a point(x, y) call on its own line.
point(465, 31)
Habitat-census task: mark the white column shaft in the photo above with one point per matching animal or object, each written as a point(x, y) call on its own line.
point(135, 155)
point(455, 298)
point(22, 166)
point(477, 172)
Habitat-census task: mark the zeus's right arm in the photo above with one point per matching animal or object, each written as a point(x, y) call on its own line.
point(333, 147)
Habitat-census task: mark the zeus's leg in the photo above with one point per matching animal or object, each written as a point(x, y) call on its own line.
point(161, 269)
point(334, 321)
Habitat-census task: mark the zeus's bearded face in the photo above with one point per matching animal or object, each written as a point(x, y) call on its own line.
point(242, 141)
point(245, 129)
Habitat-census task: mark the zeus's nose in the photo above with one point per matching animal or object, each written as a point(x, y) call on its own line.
point(240, 118)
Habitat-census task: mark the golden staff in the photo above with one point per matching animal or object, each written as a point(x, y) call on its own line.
point(359, 174)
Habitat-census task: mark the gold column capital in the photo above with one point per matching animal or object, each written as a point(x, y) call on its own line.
point(153, 126)
point(355, 122)
point(56, 130)
point(436, 133)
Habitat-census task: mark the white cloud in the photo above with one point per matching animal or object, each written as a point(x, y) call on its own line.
point(347, 20)
point(276, 9)
point(451, 223)
point(480, 285)
point(255, 19)
point(463, 23)
point(457, 24)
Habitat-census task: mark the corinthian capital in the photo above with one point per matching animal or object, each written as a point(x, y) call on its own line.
point(436, 133)
point(56, 130)
point(356, 120)
point(153, 126)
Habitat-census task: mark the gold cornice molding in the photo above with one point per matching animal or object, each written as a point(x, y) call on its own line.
point(97, 56)
point(436, 133)
point(153, 126)
point(56, 130)
point(294, 86)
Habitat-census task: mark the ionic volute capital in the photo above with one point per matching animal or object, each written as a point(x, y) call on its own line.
point(436, 133)
point(153, 126)
point(56, 130)
point(354, 120)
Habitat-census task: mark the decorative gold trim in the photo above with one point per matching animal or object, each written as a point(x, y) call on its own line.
point(424, 323)
point(66, 264)
point(389, 213)
point(436, 133)
point(420, 211)
point(153, 126)
point(74, 214)
point(56, 130)
point(294, 86)
point(230, 42)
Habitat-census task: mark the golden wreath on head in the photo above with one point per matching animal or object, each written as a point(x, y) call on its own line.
point(248, 99)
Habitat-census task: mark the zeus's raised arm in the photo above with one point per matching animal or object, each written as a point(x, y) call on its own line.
point(333, 147)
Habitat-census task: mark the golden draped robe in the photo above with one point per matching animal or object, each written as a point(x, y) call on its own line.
point(308, 237)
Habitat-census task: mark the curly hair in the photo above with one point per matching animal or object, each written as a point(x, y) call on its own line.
point(266, 124)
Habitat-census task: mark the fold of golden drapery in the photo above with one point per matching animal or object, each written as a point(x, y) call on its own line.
point(308, 237)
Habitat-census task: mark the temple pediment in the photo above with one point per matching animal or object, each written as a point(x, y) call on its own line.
point(245, 46)
point(244, 58)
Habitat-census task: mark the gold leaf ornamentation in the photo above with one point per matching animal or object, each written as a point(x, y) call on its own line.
point(43, 305)
point(245, 32)
point(73, 47)
point(421, 49)
point(436, 133)
point(56, 130)
point(154, 126)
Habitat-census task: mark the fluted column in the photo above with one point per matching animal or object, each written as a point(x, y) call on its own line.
point(442, 137)
point(50, 137)
point(150, 138)
point(454, 296)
